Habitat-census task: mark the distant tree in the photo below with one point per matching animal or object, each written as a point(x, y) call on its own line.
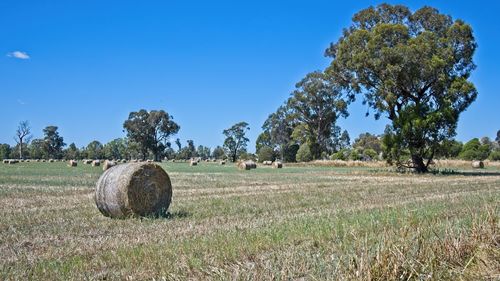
point(203, 152)
point(178, 143)
point(191, 149)
point(218, 153)
point(23, 136)
point(449, 149)
point(95, 150)
point(266, 153)
point(278, 129)
point(72, 152)
point(150, 130)
point(115, 149)
point(37, 150)
point(412, 67)
point(53, 143)
point(368, 141)
point(497, 139)
point(474, 150)
point(304, 153)
point(236, 141)
point(317, 103)
point(264, 139)
point(290, 152)
point(4, 151)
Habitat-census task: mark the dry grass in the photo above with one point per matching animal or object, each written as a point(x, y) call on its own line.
point(295, 223)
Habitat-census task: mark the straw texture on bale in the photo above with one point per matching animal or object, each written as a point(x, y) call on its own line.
point(277, 165)
point(478, 164)
point(247, 165)
point(72, 163)
point(108, 164)
point(133, 190)
point(96, 163)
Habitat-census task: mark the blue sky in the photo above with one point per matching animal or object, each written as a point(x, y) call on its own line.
point(208, 63)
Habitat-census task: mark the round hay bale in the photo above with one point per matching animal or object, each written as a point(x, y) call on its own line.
point(193, 163)
point(247, 165)
point(51, 160)
point(13, 161)
point(5, 161)
point(477, 164)
point(124, 160)
point(133, 190)
point(108, 164)
point(222, 162)
point(72, 163)
point(267, 163)
point(96, 163)
point(43, 160)
point(277, 165)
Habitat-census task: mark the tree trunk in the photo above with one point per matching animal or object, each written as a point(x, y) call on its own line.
point(21, 149)
point(418, 164)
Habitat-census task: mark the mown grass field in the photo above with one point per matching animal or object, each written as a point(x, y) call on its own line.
point(296, 223)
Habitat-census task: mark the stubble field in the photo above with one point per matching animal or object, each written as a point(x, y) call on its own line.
point(295, 223)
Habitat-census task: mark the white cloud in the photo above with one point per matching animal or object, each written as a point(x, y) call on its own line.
point(19, 55)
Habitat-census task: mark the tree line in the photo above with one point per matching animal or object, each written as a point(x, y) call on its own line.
point(412, 68)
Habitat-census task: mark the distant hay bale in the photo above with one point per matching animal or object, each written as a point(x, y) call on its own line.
point(124, 161)
point(149, 161)
point(267, 163)
point(72, 163)
point(222, 162)
point(477, 164)
point(108, 164)
point(133, 190)
point(37, 160)
point(277, 165)
point(87, 161)
point(193, 163)
point(247, 165)
point(96, 163)
point(51, 160)
point(5, 161)
point(27, 160)
point(13, 161)
point(43, 160)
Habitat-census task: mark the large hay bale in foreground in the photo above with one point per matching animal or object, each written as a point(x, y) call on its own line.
point(247, 165)
point(108, 164)
point(477, 164)
point(277, 165)
point(96, 163)
point(133, 190)
point(72, 163)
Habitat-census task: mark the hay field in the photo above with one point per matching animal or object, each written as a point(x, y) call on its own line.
point(295, 223)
